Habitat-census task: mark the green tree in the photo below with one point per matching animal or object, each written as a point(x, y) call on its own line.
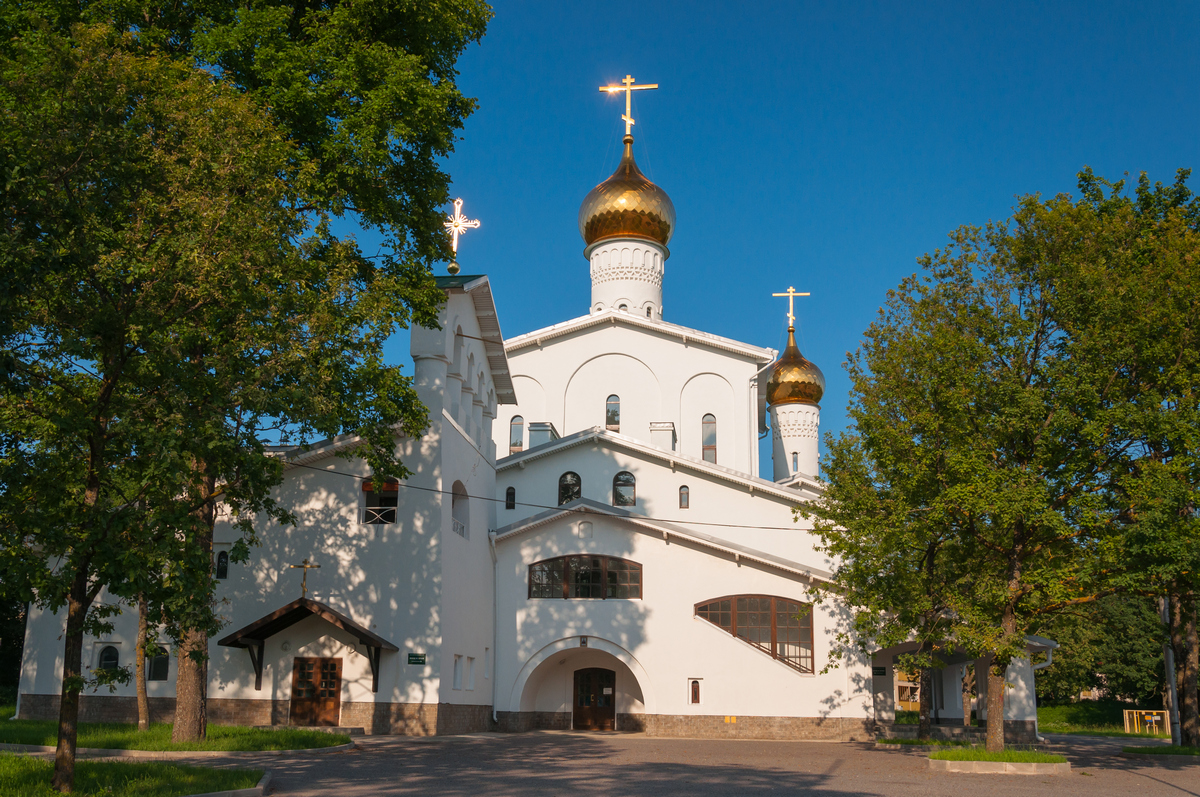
point(1003, 394)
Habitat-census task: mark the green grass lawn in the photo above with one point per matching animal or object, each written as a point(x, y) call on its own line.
point(1009, 756)
point(1087, 717)
point(115, 736)
point(1169, 750)
point(29, 777)
point(946, 742)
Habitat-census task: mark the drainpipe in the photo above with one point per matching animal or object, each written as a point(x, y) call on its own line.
point(495, 635)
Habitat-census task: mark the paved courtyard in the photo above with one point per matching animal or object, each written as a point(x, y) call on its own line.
point(631, 764)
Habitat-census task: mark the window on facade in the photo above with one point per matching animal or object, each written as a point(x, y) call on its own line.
point(695, 692)
point(516, 435)
point(685, 498)
point(570, 487)
point(777, 626)
point(647, 312)
point(158, 667)
point(584, 576)
point(222, 564)
point(380, 504)
point(612, 414)
point(110, 659)
point(708, 438)
point(624, 489)
point(459, 511)
point(458, 671)
point(510, 498)
point(795, 461)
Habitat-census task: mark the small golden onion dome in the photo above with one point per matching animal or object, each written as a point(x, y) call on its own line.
point(794, 379)
point(627, 205)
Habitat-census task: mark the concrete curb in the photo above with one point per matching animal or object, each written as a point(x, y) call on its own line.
point(918, 748)
point(999, 767)
point(168, 755)
point(254, 791)
point(1163, 758)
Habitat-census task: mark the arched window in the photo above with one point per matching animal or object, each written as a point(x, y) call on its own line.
point(460, 519)
point(685, 497)
point(695, 696)
point(708, 437)
point(570, 487)
point(779, 627)
point(586, 576)
point(795, 461)
point(612, 414)
point(624, 489)
point(222, 564)
point(110, 659)
point(623, 307)
point(516, 434)
point(647, 312)
point(510, 498)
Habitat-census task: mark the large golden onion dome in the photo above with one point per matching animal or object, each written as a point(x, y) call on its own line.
point(627, 205)
point(794, 379)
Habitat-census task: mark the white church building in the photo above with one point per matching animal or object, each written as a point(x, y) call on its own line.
point(585, 541)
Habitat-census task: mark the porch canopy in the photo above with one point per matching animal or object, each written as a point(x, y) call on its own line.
point(253, 636)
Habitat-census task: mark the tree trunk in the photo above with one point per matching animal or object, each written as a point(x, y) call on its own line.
point(968, 686)
point(925, 697)
point(191, 678)
point(139, 658)
point(1187, 667)
point(995, 705)
point(72, 684)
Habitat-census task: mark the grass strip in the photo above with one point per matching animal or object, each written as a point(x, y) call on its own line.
point(945, 742)
point(121, 736)
point(1007, 756)
point(1089, 718)
point(30, 777)
point(1167, 750)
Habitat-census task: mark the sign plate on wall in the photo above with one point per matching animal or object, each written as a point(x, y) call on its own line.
point(416, 658)
point(878, 672)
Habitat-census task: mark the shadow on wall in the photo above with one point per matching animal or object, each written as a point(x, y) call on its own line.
point(386, 577)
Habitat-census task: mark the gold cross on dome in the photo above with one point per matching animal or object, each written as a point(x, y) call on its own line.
point(304, 581)
point(628, 88)
point(458, 224)
point(791, 294)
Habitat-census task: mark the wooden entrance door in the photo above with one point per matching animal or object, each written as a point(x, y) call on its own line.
point(316, 692)
point(595, 700)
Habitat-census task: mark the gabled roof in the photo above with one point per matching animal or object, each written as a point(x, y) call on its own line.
point(586, 506)
point(598, 434)
point(302, 608)
point(480, 291)
point(685, 334)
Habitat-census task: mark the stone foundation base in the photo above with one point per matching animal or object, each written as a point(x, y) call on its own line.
point(409, 719)
point(701, 726)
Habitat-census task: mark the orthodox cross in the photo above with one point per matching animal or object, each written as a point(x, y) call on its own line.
point(304, 581)
point(628, 88)
point(791, 294)
point(458, 224)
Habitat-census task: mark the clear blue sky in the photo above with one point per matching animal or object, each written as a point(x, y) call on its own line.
point(825, 146)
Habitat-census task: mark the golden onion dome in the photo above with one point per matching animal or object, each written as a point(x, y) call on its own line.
point(627, 205)
point(794, 379)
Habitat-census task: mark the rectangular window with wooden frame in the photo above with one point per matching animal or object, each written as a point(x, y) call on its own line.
point(380, 504)
point(586, 577)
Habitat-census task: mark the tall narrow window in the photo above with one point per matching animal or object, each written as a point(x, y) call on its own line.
point(708, 437)
point(516, 435)
point(570, 487)
point(624, 489)
point(695, 691)
point(612, 414)
point(222, 564)
point(795, 461)
point(510, 498)
point(685, 497)
point(460, 511)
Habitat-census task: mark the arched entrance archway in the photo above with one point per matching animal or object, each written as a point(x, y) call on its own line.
point(563, 687)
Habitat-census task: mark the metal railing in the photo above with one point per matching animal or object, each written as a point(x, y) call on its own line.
point(459, 528)
point(376, 516)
